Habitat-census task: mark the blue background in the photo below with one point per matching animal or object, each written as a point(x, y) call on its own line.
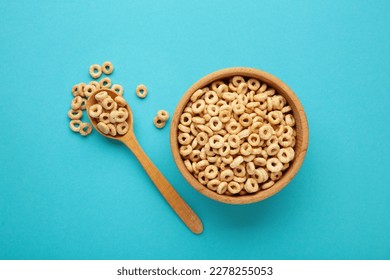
point(67, 197)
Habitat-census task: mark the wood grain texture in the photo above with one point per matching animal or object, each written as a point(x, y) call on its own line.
point(186, 214)
point(301, 127)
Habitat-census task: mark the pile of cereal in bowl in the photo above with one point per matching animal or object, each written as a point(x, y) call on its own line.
point(237, 136)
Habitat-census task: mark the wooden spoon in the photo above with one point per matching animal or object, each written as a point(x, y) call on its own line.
point(181, 208)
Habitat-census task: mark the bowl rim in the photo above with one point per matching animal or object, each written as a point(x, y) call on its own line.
point(299, 115)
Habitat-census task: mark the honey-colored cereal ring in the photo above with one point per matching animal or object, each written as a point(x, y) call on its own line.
point(101, 96)
point(285, 140)
point(202, 178)
point(276, 176)
point(85, 129)
point(227, 175)
point(202, 138)
point(267, 185)
point(95, 110)
point(198, 106)
point(237, 80)
point(105, 82)
point(285, 155)
point(265, 132)
point(120, 101)
point(253, 84)
point(163, 115)
point(222, 187)
point(112, 129)
point(121, 116)
point(251, 185)
point(75, 114)
point(141, 91)
point(89, 90)
point(234, 187)
point(95, 71)
point(76, 103)
point(103, 127)
point(122, 128)
point(188, 165)
point(215, 124)
point(107, 67)
point(275, 117)
point(201, 165)
point(274, 165)
point(186, 119)
point(213, 184)
point(95, 84)
point(118, 89)
point(211, 97)
point(211, 172)
point(158, 123)
point(184, 138)
point(75, 90)
point(108, 103)
point(75, 125)
point(216, 141)
point(273, 149)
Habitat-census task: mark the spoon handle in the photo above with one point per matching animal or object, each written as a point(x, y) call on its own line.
point(186, 214)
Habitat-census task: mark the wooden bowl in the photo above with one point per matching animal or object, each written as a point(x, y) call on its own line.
point(301, 127)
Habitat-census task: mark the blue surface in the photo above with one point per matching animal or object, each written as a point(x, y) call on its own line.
point(67, 197)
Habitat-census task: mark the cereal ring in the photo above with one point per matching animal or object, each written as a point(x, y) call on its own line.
point(158, 123)
point(275, 176)
point(198, 120)
point(245, 149)
point(163, 115)
point(260, 175)
point(122, 128)
point(275, 117)
point(89, 90)
point(184, 138)
point(211, 97)
point(76, 103)
point(95, 84)
point(183, 128)
point(215, 124)
point(120, 101)
point(227, 175)
point(185, 150)
point(188, 165)
point(202, 138)
point(229, 96)
point(290, 120)
point(237, 80)
point(250, 168)
point(253, 84)
point(239, 109)
point(234, 187)
point(195, 155)
point(239, 171)
point(107, 67)
point(211, 172)
point(239, 179)
point(285, 140)
point(118, 89)
point(201, 165)
point(101, 96)
point(95, 71)
point(273, 149)
point(274, 165)
point(85, 129)
point(224, 115)
point(76, 90)
point(233, 141)
point(198, 106)
point(112, 129)
point(202, 178)
point(108, 103)
point(244, 133)
point(105, 82)
point(212, 110)
point(233, 127)
point(103, 127)
point(186, 119)
point(75, 114)
point(262, 88)
point(236, 161)
point(75, 125)
point(197, 95)
point(285, 155)
point(112, 117)
point(213, 184)
point(286, 109)
point(245, 120)
point(251, 186)
point(141, 91)
point(121, 116)
point(216, 84)
point(227, 159)
point(222, 187)
point(221, 89)
point(224, 150)
point(216, 141)
point(254, 139)
point(267, 185)
point(242, 88)
point(266, 131)
point(95, 110)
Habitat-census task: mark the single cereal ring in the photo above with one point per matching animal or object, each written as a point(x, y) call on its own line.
point(245, 149)
point(75, 125)
point(89, 90)
point(227, 175)
point(103, 127)
point(216, 141)
point(266, 131)
point(186, 119)
point(213, 184)
point(141, 91)
point(186, 151)
point(107, 67)
point(198, 106)
point(104, 118)
point(202, 138)
point(222, 187)
point(183, 128)
point(244, 133)
point(236, 162)
point(158, 123)
point(211, 97)
point(101, 96)
point(85, 129)
point(275, 176)
point(267, 185)
point(273, 149)
point(196, 95)
point(253, 84)
point(122, 128)
point(274, 165)
point(211, 172)
point(242, 88)
point(95, 84)
point(184, 138)
point(163, 115)
point(233, 127)
point(285, 155)
point(95, 110)
point(240, 170)
point(224, 151)
point(285, 140)
point(239, 109)
point(121, 116)
point(105, 82)
point(216, 84)
point(202, 178)
point(250, 168)
point(224, 115)
point(290, 120)
point(77, 102)
point(275, 117)
point(254, 139)
point(95, 71)
point(251, 185)
point(234, 187)
point(75, 90)
point(237, 80)
point(108, 103)
point(195, 155)
point(188, 165)
point(259, 161)
point(215, 124)
point(75, 114)
point(120, 101)
point(118, 89)
point(112, 129)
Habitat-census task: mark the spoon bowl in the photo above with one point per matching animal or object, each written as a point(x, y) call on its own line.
point(186, 214)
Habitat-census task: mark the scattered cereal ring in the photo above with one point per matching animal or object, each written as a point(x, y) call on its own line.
point(118, 89)
point(112, 129)
point(76, 103)
point(101, 96)
point(75, 114)
point(122, 128)
point(107, 67)
point(75, 125)
point(141, 91)
point(95, 71)
point(105, 82)
point(108, 103)
point(85, 129)
point(158, 123)
point(95, 110)
point(163, 115)
point(120, 101)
